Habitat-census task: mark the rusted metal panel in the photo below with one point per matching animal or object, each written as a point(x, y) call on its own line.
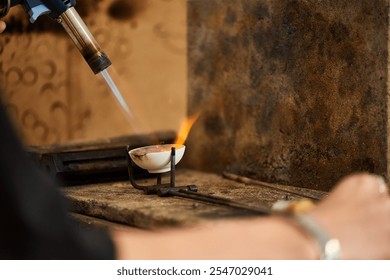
point(289, 91)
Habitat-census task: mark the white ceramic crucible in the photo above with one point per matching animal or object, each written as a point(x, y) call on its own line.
point(156, 158)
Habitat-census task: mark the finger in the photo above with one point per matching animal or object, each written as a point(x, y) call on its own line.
point(382, 187)
point(2, 26)
point(363, 184)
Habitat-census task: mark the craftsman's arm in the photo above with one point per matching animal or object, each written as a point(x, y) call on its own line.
point(357, 213)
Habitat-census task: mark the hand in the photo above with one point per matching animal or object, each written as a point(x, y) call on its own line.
point(357, 212)
point(2, 26)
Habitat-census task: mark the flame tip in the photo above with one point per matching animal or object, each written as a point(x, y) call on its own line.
point(185, 128)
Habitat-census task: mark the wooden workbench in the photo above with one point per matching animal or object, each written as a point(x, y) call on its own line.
point(118, 203)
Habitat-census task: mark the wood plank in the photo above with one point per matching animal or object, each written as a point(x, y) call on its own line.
point(119, 202)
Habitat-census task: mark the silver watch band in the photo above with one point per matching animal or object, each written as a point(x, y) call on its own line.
point(330, 247)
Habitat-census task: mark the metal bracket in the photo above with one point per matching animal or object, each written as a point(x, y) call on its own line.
point(168, 189)
point(189, 191)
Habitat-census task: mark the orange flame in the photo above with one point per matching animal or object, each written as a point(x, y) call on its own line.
point(185, 129)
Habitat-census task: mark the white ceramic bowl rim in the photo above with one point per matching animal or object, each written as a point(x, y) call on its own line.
point(144, 150)
point(156, 158)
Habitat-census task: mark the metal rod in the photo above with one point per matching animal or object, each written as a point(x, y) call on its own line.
point(130, 168)
point(130, 171)
point(173, 156)
point(250, 181)
point(221, 201)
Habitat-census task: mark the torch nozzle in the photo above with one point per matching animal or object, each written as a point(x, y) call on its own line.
point(84, 41)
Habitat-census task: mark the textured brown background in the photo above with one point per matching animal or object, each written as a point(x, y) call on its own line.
point(54, 96)
point(289, 91)
point(293, 92)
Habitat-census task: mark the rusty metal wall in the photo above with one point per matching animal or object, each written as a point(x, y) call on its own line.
point(54, 96)
point(289, 91)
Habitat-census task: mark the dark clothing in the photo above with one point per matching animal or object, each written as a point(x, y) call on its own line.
point(34, 223)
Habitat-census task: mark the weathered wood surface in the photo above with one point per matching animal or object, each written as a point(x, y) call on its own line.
point(121, 203)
